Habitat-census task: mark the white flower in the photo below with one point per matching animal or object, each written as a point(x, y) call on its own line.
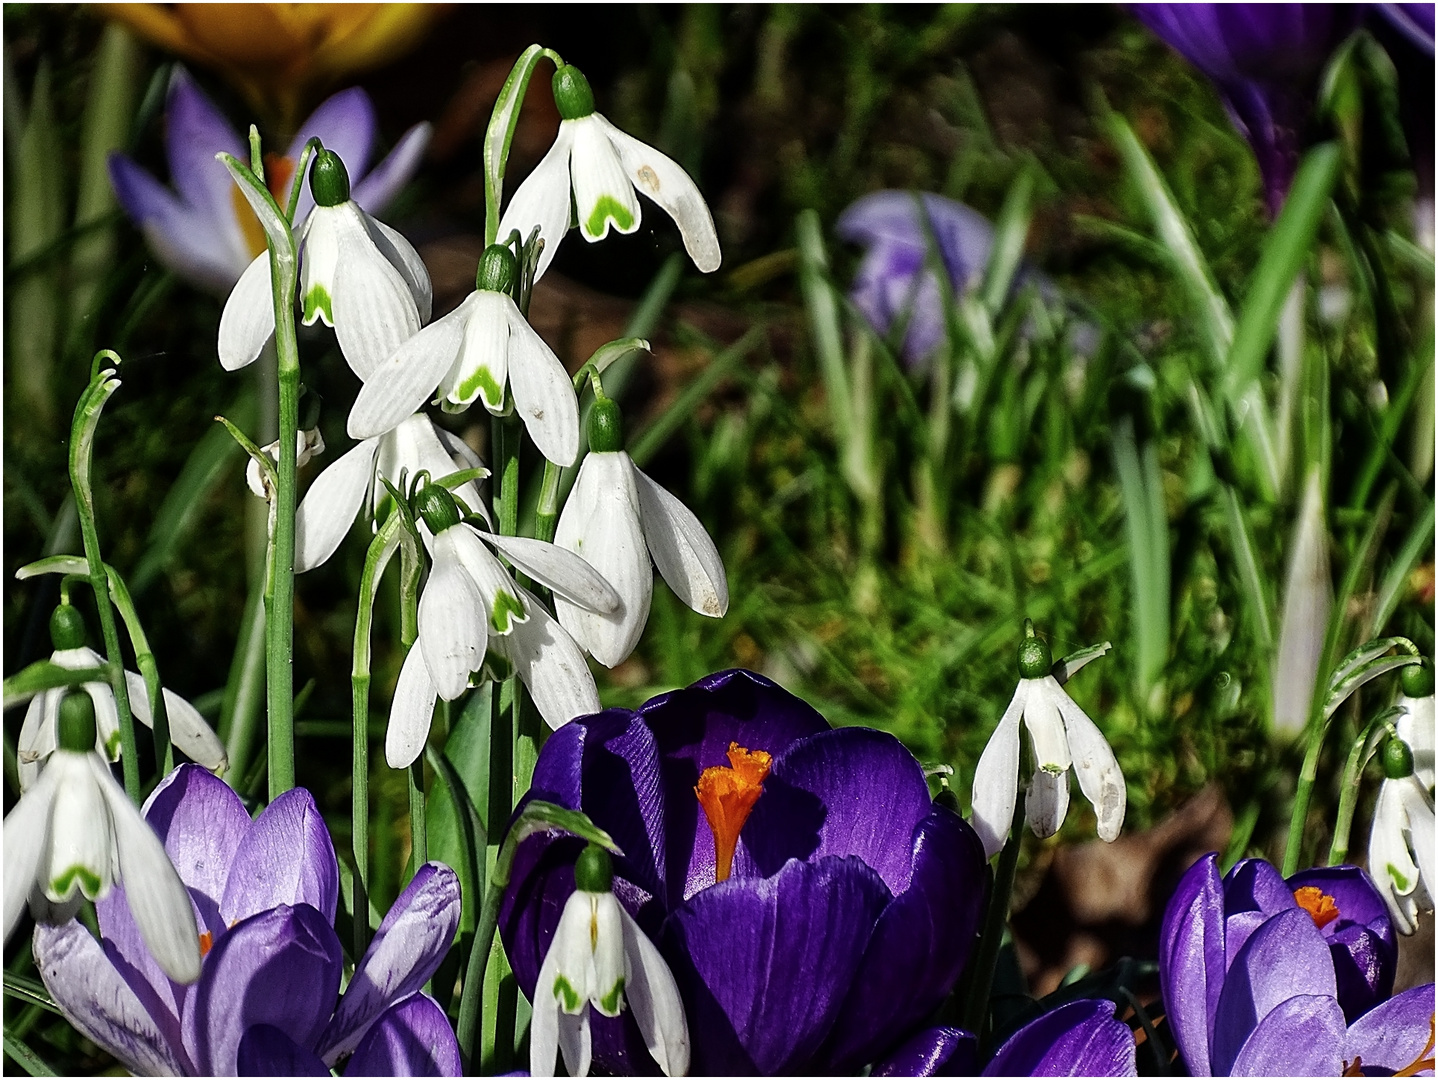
point(75, 830)
point(356, 273)
point(308, 444)
point(353, 481)
point(1415, 727)
point(599, 957)
point(39, 736)
point(469, 602)
point(1402, 832)
point(471, 353)
point(1063, 737)
point(604, 168)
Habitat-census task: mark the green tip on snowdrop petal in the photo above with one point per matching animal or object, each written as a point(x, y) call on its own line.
point(572, 95)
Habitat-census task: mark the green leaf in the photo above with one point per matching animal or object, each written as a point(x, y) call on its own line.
point(612, 351)
point(456, 835)
point(54, 564)
point(823, 307)
point(30, 991)
point(44, 675)
point(1418, 542)
point(1364, 664)
point(271, 217)
point(1010, 233)
point(538, 816)
point(500, 134)
point(26, 1058)
point(1066, 667)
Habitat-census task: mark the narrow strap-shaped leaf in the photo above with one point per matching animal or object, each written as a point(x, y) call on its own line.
point(1418, 541)
point(1010, 233)
point(26, 1058)
point(500, 133)
point(30, 991)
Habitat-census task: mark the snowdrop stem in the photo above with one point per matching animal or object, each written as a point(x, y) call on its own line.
point(103, 383)
point(279, 606)
point(1361, 753)
point(547, 517)
point(411, 567)
point(500, 133)
point(149, 670)
point(297, 183)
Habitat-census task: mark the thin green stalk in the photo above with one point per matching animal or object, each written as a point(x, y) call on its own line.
point(976, 1008)
point(149, 669)
point(547, 518)
point(411, 566)
point(1358, 758)
point(418, 834)
point(472, 994)
point(245, 688)
point(1303, 794)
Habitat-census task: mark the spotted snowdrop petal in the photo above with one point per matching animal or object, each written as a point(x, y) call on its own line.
point(1099, 777)
point(662, 180)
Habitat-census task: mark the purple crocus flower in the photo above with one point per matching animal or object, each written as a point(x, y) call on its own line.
point(812, 901)
point(1262, 977)
point(204, 230)
point(264, 894)
point(1081, 1038)
point(1265, 61)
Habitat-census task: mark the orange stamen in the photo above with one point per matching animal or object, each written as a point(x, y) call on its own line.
point(728, 793)
point(1424, 1061)
point(207, 942)
point(1320, 906)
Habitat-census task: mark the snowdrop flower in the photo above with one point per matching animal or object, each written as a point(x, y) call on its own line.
point(1402, 832)
point(604, 168)
point(356, 273)
point(308, 444)
point(1415, 725)
point(618, 519)
point(1063, 737)
point(599, 958)
point(355, 480)
point(39, 733)
point(471, 600)
point(76, 830)
point(471, 353)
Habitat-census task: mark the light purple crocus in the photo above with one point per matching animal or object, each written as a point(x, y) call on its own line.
point(851, 906)
point(204, 230)
point(1265, 61)
point(1254, 987)
point(267, 1001)
point(1081, 1038)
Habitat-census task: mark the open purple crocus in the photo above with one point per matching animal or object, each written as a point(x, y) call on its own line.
point(204, 230)
point(1265, 61)
point(813, 902)
point(1263, 977)
point(264, 893)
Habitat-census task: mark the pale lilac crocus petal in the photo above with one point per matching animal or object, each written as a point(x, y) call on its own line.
point(406, 950)
point(126, 950)
point(201, 822)
point(938, 1051)
point(285, 858)
point(265, 1050)
point(344, 123)
point(1395, 1033)
point(378, 189)
point(195, 131)
point(1302, 1036)
point(279, 967)
point(99, 1003)
point(1081, 1038)
point(412, 1038)
point(1191, 960)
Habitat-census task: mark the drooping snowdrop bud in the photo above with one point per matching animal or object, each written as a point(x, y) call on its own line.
point(1415, 725)
point(473, 353)
point(1401, 845)
point(1063, 737)
point(39, 733)
point(470, 601)
point(604, 169)
point(75, 832)
point(308, 444)
point(618, 520)
point(356, 274)
point(600, 958)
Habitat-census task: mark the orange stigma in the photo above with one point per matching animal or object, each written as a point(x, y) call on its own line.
point(1319, 905)
point(1424, 1061)
point(728, 793)
point(207, 942)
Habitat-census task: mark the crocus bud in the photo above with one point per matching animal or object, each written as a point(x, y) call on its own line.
point(437, 507)
point(1416, 679)
point(496, 270)
point(1397, 760)
point(572, 95)
point(77, 723)
point(67, 628)
point(329, 181)
point(606, 427)
point(594, 870)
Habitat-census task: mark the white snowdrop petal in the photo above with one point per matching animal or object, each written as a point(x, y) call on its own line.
point(600, 523)
point(451, 632)
point(574, 1042)
point(654, 997)
point(329, 507)
point(551, 665)
point(406, 379)
point(1099, 777)
point(400, 254)
point(248, 319)
point(1389, 861)
point(81, 851)
point(501, 606)
point(1419, 811)
point(603, 194)
point(607, 937)
point(543, 200)
point(1047, 803)
point(374, 311)
point(560, 569)
point(410, 712)
point(1045, 723)
point(189, 731)
point(38, 738)
point(27, 834)
point(483, 364)
point(682, 550)
point(543, 392)
point(544, 1023)
point(1416, 728)
point(319, 242)
point(431, 448)
point(662, 180)
point(107, 717)
point(996, 778)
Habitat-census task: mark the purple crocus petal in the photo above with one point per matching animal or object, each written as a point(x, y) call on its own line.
point(191, 242)
point(94, 998)
point(964, 237)
point(693, 728)
point(920, 944)
point(1302, 1036)
point(201, 822)
point(279, 967)
point(412, 1038)
point(1253, 892)
point(763, 965)
point(406, 950)
point(265, 1050)
point(1413, 21)
point(126, 950)
point(850, 791)
point(937, 1051)
point(1394, 1034)
point(1285, 957)
point(344, 123)
point(1081, 1038)
point(195, 131)
point(378, 189)
point(1191, 960)
point(285, 858)
point(1361, 939)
